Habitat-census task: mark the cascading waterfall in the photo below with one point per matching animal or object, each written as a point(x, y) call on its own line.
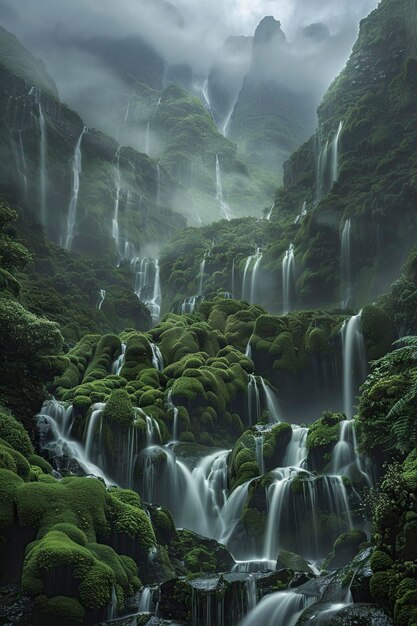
point(288, 280)
point(254, 401)
point(286, 508)
point(148, 284)
point(354, 361)
point(345, 455)
point(259, 451)
point(250, 275)
point(303, 213)
point(102, 294)
point(271, 402)
point(55, 423)
point(346, 263)
point(202, 269)
point(117, 365)
point(117, 180)
point(279, 609)
point(72, 209)
point(148, 139)
point(157, 359)
point(171, 406)
point(225, 209)
point(297, 450)
point(36, 93)
point(328, 165)
point(23, 168)
point(335, 154)
point(228, 119)
point(189, 305)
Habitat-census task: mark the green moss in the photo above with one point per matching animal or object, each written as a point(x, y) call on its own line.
point(59, 610)
point(39, 461)
point(12, 432)
point(119, 409)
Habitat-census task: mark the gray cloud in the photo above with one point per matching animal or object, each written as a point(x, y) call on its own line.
point(320, 34)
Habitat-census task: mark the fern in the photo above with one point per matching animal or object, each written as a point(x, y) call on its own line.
point(404, 428)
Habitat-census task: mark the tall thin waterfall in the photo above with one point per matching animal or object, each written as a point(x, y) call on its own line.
point(354, 361)
point(117, 365)
point(335, 154)
point(346, 271)
point(148, 139)
point(189, 305)
point(157, 359)
point(202, 88)
point(23, 167)
point(259, 451)
point(250, 275)
point(158, 184)
point(171, 406)
point(76, 173)
point(328, 164)
point(302, 214)
point(148, 284)
point(271, 401)
point(345, 453)
point(117, 181)
point(225, 209)
point(228, 119)
point(254, 401)
point(288, 279)
point(297, 450)
point(100, 302)
point(202, 269)
point(36, 93)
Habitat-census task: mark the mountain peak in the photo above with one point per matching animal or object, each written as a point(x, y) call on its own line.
point(268, 28)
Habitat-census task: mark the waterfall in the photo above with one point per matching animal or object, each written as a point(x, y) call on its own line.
point(345, 453)
point(279, 609)
point(76, 173)
point(148, 284)
point(171, 406)
point(117, 365)
point(258, 259)
point(154, 305)
point(303, 213)
point(100, 302)
point(112, 611)
point(269, 214)
point(225, 209)
point(271, 401)
point(146, 600)
point(259, 450)
point(251, 592)
point(23, 169)
point(248, 350)
point(287, 509)
point(346, 274)
point(157, 359)
point(335, 154)
point(127, 111)
point(158, 184)
point(328, 165)
point(354, 361)
point(147, 139)
point(202, 88)
point(91, 427)
point(288, 279)
point(115, 221)
point(296, 452)
point(55, 425)
point(250, 275)
point(36, 93)
point(189, 305)
point(202, 268)
point(228, 119)
point(254, 401)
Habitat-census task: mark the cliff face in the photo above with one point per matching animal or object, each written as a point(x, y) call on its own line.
point(359, 172)
point(39, 137)
point(269, 120)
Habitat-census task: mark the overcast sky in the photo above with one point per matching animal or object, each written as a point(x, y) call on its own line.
point(191, 33)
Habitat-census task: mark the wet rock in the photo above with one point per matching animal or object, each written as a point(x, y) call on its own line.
point(293, 562)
